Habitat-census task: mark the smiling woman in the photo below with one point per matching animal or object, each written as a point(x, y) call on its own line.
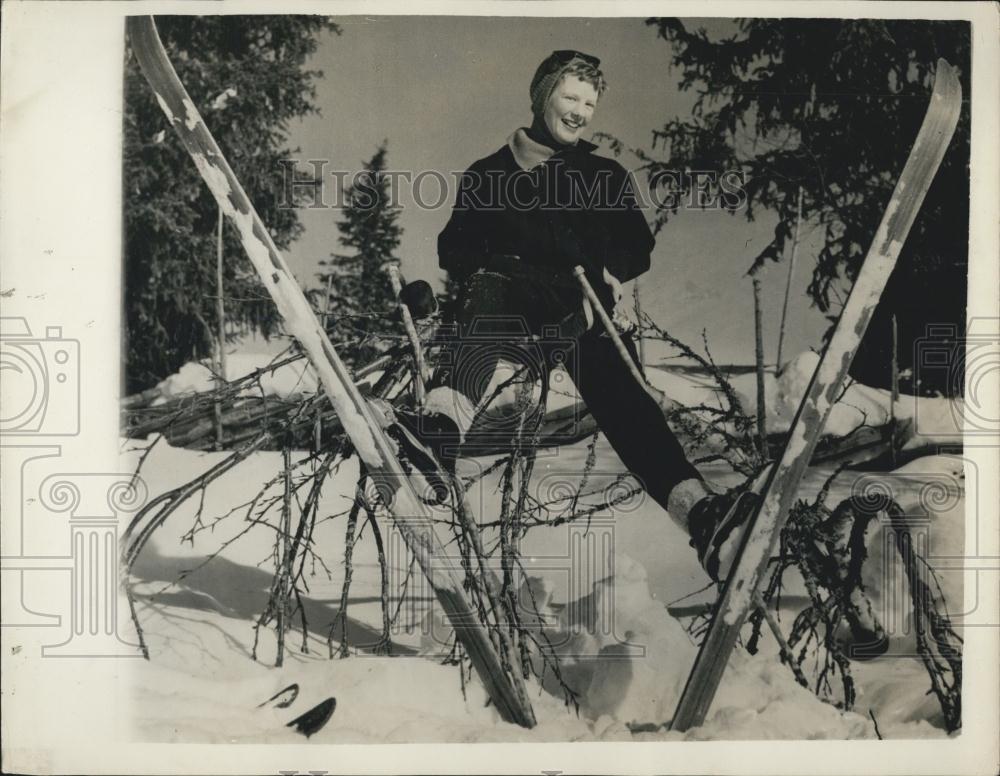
point(570, 109)
point(564, 95)
point(513, 247)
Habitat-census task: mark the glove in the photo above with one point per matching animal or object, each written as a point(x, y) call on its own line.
point(614, 289)
point(419, 297)
point(569, 246)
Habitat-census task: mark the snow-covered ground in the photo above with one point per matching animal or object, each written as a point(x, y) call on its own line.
point(291, 379)
point(605, 589)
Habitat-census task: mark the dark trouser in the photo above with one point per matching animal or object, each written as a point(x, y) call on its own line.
point(498, 314)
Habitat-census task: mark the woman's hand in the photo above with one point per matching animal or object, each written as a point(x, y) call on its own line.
point(616, 287)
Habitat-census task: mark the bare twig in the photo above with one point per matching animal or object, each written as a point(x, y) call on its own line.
point(341, 617)
point(384, 644)
point(942, 653)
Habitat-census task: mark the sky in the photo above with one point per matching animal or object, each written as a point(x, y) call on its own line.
point(445, 91)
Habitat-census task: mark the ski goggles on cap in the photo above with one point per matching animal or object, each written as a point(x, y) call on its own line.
point(565, 56)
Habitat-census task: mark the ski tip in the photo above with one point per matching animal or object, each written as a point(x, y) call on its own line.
point(944, 67)
point(283, 698)
point(313, 720)
point(946, 79)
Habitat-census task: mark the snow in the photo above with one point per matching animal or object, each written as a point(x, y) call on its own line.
point(924, 421)
point(620, 649)
point(288, 380)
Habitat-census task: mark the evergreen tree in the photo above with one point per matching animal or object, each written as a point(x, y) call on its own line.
point(361, 303)
point(246, 76)
point(832, 106)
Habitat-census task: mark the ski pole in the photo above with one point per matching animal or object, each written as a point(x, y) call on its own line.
point(665, 402)
point(411, 332)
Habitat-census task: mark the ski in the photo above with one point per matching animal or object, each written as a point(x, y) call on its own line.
point(313, 720)
point(283, 698)
point(764, 528)
point(310, 721)
point(410, 515)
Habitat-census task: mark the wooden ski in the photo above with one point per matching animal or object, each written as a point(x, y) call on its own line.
point(411, 516)
point(764, 529)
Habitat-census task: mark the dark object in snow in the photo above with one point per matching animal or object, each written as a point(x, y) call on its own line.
point(282, 698)
point(419, 297)
point(762, 534)
point(314, 719)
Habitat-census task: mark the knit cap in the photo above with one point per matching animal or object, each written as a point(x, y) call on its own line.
point(550, 71)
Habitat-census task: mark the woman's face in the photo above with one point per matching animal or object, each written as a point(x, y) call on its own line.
point(569, 109)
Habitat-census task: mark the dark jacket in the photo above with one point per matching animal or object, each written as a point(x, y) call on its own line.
point(574, 208)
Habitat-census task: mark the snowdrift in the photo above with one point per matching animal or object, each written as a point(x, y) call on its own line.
point(620, 650)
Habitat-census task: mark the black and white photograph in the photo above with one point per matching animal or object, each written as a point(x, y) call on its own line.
point(501, 376)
